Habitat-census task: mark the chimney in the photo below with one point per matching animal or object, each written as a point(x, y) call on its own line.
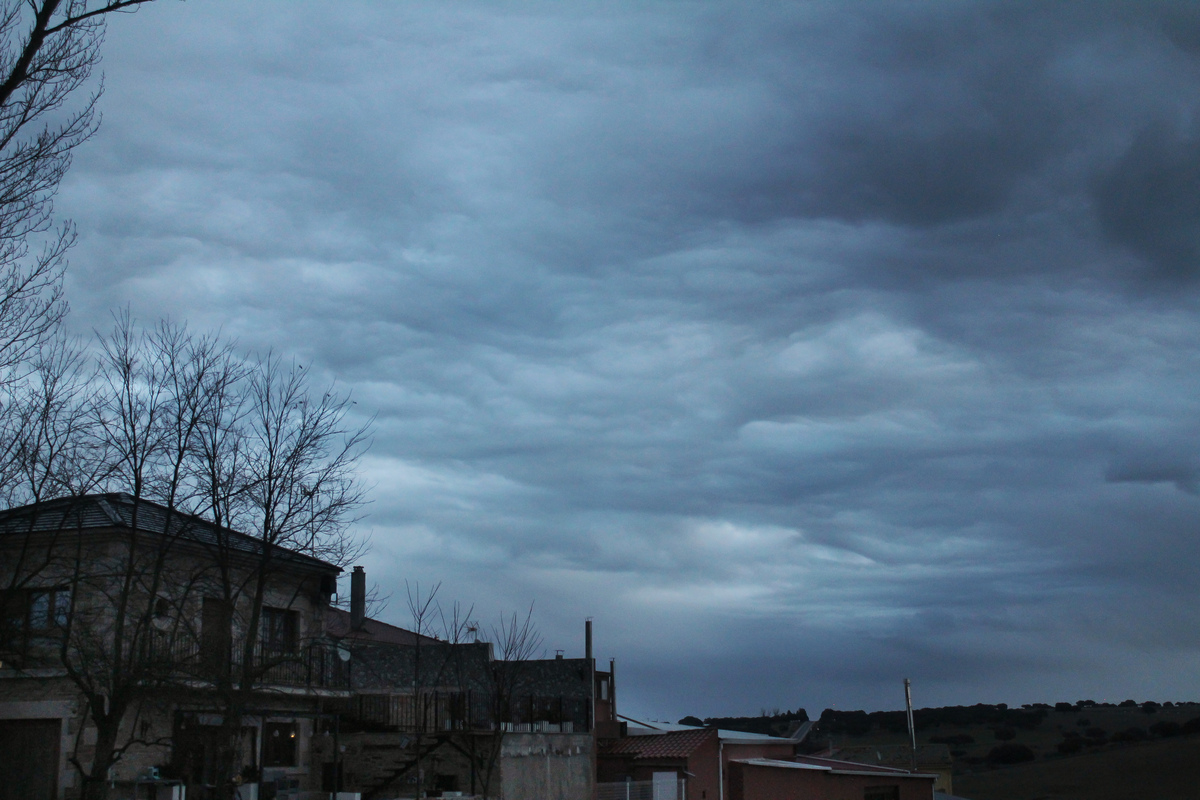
point(612, 686)
point(587, 638)
point(358, 598)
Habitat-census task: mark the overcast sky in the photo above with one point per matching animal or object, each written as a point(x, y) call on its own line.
point(806, 347)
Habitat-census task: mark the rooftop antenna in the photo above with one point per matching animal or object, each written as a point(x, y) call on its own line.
point(912, 730)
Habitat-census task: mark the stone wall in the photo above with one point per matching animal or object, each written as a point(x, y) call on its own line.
point(547, 766)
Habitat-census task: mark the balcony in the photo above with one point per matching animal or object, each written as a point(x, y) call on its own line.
point(315, 665)
point(433, 711)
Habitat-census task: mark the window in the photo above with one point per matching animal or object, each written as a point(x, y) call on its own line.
point(279, 744)
point(279, 630)
point(49, 609)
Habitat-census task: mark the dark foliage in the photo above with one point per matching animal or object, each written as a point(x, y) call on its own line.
point(1130, 735)
point(1069, 747)
point(770, 725)
point(857, 723)
point(1010, 753)
point(1166, 728)
point(1004, 734)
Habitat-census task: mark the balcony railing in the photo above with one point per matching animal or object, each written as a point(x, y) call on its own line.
point(433, 711)
point(315, 665)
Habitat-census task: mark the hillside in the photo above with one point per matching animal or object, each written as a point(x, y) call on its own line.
point(1167, 769)
point(1069, 751)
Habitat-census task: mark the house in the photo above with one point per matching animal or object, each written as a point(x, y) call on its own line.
point(930, 758)
point(812, 778)
point(696, 758)
point(426, 715)
point(677, 762)
point(129, 625)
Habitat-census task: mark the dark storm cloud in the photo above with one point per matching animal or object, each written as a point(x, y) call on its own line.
point(1150, 202)
point(802, 346)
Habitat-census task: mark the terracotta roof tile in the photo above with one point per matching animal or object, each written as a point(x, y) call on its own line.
point(676, 744)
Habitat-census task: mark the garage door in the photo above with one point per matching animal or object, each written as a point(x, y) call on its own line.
point(29, 759)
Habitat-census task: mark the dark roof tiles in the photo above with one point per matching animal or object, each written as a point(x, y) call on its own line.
point(119, 510)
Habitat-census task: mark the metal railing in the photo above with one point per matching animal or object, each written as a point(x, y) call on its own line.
point(314, 665)
point(642, 790)
point(437, 710)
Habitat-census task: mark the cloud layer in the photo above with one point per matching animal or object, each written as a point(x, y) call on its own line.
point(806, 348)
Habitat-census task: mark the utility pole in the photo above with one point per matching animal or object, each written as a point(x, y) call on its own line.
point(912, 729)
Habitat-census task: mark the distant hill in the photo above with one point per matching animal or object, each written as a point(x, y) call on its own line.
point(776, 723)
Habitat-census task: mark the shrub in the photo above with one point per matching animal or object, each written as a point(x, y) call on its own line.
point(1004, 734)
point(1070, 746)
point(1096, 734)
point(1166, 729)
point(1010, 753)
point(1150, 707)
point(1191, 726)
point(1130, 735)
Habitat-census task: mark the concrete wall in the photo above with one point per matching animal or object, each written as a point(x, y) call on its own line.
point(547, 766)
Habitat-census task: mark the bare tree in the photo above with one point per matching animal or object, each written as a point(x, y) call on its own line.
point(153, 392)
point(48, 50)
point(283, 469)
point(517, 641)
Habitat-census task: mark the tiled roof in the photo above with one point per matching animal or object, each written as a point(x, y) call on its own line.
point(118, 510)
point(677, 744)
point(337, 623)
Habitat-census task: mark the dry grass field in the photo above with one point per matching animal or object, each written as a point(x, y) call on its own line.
point(1167, 769)
point(1161, 768)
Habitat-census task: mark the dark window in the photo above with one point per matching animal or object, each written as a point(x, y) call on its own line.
point(881, 793)
point(49, 609)
point(279, 630)
point(279, 744)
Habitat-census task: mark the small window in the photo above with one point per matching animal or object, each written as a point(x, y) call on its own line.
point(49, 609)
point(279, 630)
point(162, 609)
point(279, 744)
